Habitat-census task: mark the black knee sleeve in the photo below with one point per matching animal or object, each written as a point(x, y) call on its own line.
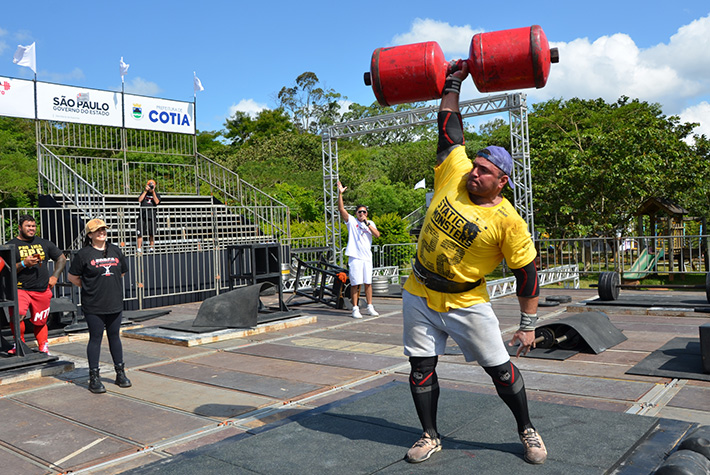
point(423, 376)
point(506, 378)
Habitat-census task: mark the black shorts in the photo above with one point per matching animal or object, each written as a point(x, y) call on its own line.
point(146, 222)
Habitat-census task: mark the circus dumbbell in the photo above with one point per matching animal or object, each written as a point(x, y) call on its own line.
point(498, 61)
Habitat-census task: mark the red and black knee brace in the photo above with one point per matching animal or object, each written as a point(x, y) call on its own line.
point(423, 375)
point(506, 378)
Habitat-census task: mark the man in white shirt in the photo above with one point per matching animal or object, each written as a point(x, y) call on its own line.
point(360, 233)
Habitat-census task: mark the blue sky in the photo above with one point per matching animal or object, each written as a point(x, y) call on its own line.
point(245, 52)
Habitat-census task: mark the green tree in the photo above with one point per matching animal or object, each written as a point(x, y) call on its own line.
point(404, 134)
point(241, 129)
point(18, 163)
point(392, 228)
point(594, 163)
point(383, 196)
point(210, 144)
point(310, 105)
point(305, 204)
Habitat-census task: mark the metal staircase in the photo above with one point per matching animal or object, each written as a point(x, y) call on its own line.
point(202, 202)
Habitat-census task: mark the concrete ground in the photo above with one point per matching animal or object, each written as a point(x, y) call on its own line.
point(238, 404)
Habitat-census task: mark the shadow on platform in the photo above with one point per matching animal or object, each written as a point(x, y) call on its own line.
point(371, 432)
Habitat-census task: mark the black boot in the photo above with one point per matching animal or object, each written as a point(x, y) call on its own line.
point(95, 384)
point(121, 380)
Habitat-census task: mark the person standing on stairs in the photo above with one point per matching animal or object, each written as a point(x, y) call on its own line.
point(147, 220)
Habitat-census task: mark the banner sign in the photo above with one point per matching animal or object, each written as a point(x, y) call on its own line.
point(78, 104)
point(149, 113)
point(17, 98)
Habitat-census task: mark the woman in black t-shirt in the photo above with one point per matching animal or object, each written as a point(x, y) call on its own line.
point(98, 268)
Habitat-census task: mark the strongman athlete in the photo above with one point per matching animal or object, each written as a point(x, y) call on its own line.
point(468, 230)
point(34, 284)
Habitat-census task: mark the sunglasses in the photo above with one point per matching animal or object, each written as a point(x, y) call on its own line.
point(362, 211)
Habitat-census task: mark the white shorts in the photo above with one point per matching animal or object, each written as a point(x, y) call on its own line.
point(475, 329)
point(360, 271)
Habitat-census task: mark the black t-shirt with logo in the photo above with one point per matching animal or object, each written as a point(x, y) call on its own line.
point(150, 197)
point(34, 278)
point(101, 281)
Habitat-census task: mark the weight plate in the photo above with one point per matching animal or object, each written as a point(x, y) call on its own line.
point(571, 342)
point(546, 337)
point(608, 286)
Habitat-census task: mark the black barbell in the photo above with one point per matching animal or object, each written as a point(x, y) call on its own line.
point(545, 338)
point(609, 286)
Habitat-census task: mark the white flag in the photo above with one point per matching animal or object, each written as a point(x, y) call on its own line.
point(123, 68)
point(196, 83)
point(420, 184)
point(25, 56)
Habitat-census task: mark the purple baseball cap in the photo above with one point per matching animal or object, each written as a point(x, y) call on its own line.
point(499, 157)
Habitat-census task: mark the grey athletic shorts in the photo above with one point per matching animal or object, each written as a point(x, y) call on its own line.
point(475, 329)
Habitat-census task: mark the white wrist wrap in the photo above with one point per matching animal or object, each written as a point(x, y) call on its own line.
point(527, 321)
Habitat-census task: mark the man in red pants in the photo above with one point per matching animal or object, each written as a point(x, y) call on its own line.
point(34, 284)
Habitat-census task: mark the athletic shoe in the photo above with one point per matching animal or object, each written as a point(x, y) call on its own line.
point(423, 449)
point(44, 348)
point(356, 312)
point(535, 451)
point(371, 310)
point(12, 350)
point(139, 251)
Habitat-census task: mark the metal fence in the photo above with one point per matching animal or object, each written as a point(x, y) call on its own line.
point(633, 257)
point(190, 262)
point(190, 244)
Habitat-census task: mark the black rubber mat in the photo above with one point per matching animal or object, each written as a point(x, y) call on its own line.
point(143, 315)
point(645, 299)
point(371, 432)
point(544, 353)
point(680, 358)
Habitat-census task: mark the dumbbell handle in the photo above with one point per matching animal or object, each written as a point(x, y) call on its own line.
point(556, 340)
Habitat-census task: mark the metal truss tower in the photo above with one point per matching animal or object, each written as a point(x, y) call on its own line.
point(516, 106)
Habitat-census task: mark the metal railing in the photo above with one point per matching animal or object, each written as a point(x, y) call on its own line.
point(416, 217)
point(83, 182)
point(635, 256)
point(57, 178)
point(189, 258)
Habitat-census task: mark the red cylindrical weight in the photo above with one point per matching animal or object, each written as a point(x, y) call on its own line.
point(408, 73)
point(510, 59)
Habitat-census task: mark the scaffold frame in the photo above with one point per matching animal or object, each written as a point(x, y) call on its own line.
point(516, 106)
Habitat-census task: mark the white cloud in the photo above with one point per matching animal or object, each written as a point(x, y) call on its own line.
point(249, 106)
point(675, 74)
point(143, 87)
point(455, 41)
point(687, 52)
point(344, 105)
point(613, 66)
point(698, 113)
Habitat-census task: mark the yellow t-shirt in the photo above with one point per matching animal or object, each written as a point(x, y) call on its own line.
point(464, 242)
